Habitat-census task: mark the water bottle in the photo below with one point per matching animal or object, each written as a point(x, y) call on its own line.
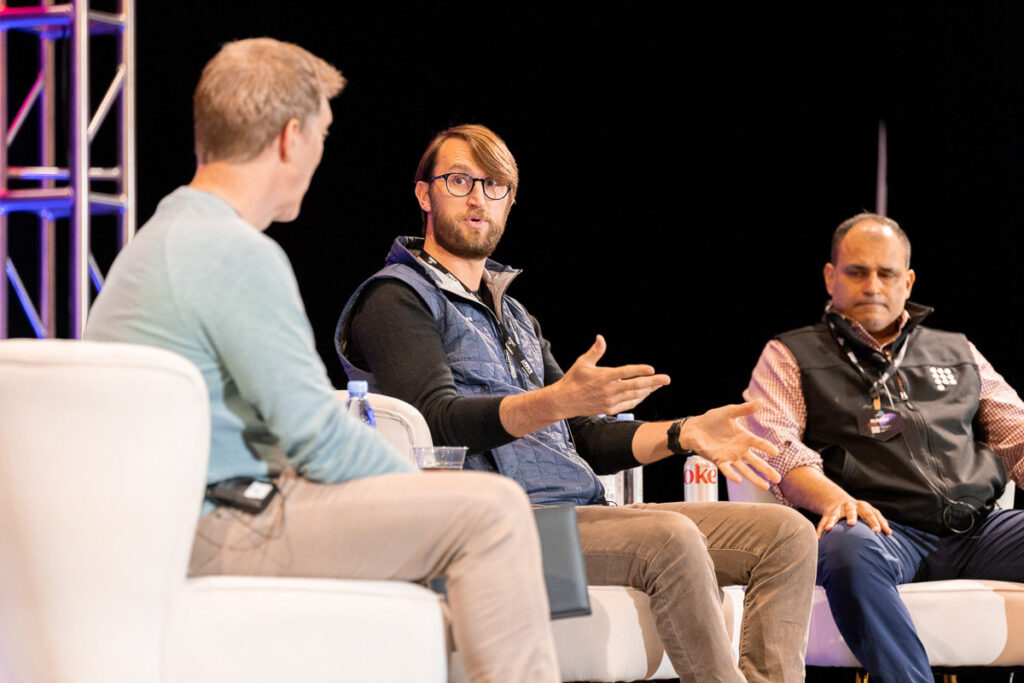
point(358, 405)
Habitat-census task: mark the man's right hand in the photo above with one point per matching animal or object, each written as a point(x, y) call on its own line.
point(587, 389)
point(853, 509)
point(584, 390)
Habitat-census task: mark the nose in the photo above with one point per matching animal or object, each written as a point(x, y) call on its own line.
point(476, 195)
point(872, 283)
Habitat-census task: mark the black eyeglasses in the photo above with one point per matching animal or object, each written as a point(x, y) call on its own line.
point(461, 184)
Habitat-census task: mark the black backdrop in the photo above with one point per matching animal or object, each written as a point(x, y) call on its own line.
point(681, 173)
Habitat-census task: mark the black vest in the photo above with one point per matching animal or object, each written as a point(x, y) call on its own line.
point(933, 474)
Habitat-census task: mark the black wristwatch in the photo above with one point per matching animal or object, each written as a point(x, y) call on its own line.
point(673, 437)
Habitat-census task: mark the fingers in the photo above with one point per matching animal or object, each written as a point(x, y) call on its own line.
point(637, 388)
point(762, 468)
point(851, 514)
point(853, 510)
point(617, 396)
point(829, 519)
point(741, 409)
point(594, 353)
point(766, 447)
point(632, 400)
point(726, 469)
point(738, 470)
point(821, 527)
point(650, 382)
point(755, 477)
point(629, 371)
point(875, 519)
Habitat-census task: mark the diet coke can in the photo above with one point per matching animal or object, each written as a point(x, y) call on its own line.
point(700, 480)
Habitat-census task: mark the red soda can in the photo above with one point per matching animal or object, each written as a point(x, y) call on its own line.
point(700, 480)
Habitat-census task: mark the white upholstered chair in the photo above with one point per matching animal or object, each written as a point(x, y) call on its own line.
point(618, 641)
point(961, 623)
point(103, 454)
point(397, 421)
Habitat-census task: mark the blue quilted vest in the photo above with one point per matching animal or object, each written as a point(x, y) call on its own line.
point(545, 463)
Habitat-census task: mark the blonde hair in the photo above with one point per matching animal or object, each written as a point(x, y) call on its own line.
point(250, 90)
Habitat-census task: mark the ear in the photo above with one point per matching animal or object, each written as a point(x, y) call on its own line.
point(830, 277)
point(911, 277)
point(287, 140)
point(423, 195)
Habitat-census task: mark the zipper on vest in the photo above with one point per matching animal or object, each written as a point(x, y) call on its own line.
point(924, 442)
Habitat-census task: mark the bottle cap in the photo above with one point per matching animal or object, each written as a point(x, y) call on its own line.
point(357, 387)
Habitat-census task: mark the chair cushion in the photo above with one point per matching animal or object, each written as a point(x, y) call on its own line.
point(619, 640)
point(244, 628)
point(961, 623)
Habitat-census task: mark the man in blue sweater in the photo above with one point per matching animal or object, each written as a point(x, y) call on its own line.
point(202, 279)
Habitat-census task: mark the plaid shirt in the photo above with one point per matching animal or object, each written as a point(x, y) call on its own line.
point(783, 414)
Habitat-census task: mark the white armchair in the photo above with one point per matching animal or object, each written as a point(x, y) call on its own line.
point(618, 640)
point(103, 454)
point(397, 421)
point(961, 623)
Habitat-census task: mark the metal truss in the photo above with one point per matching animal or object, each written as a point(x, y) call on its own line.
point(66, 192)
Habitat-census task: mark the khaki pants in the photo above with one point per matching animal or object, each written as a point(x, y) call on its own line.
point(680, 553)
point(475, 528)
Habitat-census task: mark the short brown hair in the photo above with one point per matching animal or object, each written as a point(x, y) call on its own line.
point(489, 150)
point(250, 90)
point(846, 225)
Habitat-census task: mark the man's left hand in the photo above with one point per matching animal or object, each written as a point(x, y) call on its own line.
point(717, 436)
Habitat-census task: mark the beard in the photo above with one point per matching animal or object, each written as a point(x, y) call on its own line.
point(459, 241)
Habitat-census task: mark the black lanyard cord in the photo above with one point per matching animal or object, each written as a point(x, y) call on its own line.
point(877, 385)
point(513, 353)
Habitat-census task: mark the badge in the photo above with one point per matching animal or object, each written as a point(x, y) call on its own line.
point(881, 425)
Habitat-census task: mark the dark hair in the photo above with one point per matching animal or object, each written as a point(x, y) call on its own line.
point(846, 225)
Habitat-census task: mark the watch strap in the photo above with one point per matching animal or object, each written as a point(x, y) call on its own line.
point(673, 437)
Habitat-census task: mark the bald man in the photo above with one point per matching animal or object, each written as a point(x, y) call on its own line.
point(896, 439)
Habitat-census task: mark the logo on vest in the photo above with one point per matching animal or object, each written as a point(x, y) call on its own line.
point(942, 377)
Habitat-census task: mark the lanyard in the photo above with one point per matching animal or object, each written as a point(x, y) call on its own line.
point(513, 353)
point(893, 369)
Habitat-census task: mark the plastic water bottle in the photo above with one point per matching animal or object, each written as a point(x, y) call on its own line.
point(358, 405)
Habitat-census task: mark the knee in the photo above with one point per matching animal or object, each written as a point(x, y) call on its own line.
point(496, 500)
point(794, 533)
point(849, 554)
point(673, 537)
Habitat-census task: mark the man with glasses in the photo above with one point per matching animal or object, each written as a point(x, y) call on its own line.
point(897, 430)
point(437, 328)
point(202, 280)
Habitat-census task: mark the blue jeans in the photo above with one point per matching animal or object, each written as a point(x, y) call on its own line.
point(860, 570)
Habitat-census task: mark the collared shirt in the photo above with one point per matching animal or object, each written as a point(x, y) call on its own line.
point(783, 414)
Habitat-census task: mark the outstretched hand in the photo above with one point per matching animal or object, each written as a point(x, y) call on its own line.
point(587, 389)
point(717, 436)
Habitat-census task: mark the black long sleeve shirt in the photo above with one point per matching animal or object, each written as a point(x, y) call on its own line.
point(394, 336)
